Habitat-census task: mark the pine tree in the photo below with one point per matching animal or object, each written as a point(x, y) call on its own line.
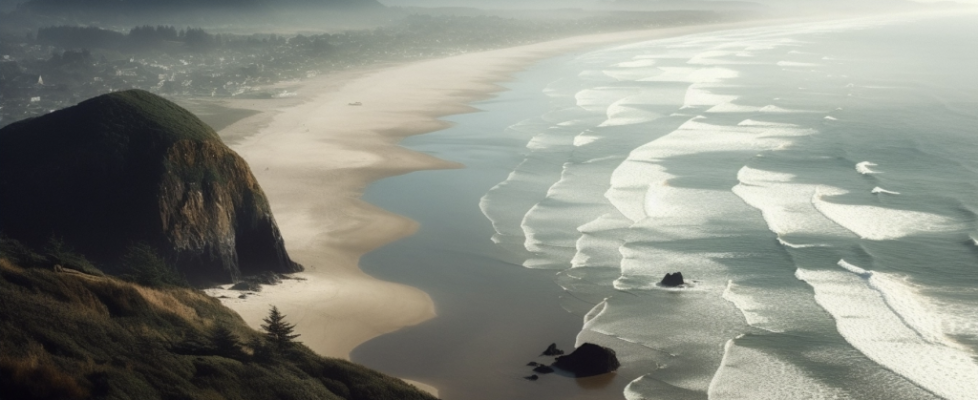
point(277, 331)
point(224, 342)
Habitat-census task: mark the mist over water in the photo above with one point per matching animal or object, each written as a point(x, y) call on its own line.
point(816, 183)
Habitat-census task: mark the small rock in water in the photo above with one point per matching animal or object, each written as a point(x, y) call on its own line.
point(244, 296)
point(532, 364)
point(246, 286)
point(672, 280)
point(543, 369)
point(552, 350)
point(531, 377)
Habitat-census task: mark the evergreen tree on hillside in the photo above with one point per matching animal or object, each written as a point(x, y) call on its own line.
point(277, 331)
point(225, 343)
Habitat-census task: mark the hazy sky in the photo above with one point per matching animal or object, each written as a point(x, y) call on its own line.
point(586, 3)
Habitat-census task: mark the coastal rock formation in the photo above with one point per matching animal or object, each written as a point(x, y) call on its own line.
point(552, 350)
point(672, 280)
point(588, 360)
point(131, 167)
point(543, 369)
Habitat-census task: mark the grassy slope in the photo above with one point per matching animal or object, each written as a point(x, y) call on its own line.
point(67, 334)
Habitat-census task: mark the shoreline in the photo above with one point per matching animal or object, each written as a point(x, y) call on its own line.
point(314, 155)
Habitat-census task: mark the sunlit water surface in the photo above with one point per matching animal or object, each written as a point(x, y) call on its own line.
point(817, 185)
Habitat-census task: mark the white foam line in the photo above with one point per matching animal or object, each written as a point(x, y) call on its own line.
point(878, 190)
point(748, 307)
point(885, 320)
point(878, 223)
point(749, 373)
point(797, 246)
point(796, 64)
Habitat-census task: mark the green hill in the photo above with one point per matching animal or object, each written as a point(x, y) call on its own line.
point(131, 169)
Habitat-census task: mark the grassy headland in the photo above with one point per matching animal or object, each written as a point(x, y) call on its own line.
point(66, 334)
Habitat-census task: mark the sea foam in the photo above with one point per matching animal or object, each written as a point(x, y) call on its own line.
point(865, 168)
point(889, 323)
point(784, 205)
point(878, 190)
point(747, 373)
point(878, 223)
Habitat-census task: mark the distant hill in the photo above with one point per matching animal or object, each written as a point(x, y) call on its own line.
point(240, 14)
point(58, 6)
point(131, 169)
point(67, 335)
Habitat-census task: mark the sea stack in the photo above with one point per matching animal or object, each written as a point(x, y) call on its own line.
point(672, 280)
point(552, 350)
point(137, 169)
point(588, 360)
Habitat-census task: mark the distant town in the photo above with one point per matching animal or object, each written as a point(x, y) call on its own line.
point(59, 66)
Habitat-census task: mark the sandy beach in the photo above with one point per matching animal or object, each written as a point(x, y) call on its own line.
point(314, 154)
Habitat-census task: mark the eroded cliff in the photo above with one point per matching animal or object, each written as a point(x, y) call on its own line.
point(136, 168)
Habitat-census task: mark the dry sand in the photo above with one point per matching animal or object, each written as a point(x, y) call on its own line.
point(314, 154)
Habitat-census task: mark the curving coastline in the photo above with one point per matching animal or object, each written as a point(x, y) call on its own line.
point(314, 154)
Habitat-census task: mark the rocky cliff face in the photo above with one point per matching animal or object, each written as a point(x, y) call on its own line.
point(137, 168)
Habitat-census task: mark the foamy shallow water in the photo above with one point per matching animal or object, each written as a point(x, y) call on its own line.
point(740, 159)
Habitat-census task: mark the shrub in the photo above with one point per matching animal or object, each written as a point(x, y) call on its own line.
point(147, 268)
point(225, 343)
point(18, 253)
point(59, 253)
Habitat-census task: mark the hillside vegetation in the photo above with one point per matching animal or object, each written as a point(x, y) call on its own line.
point(66, 334)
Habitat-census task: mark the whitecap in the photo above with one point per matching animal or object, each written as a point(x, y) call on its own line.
point(854, 269)
point(797, 246)
point(754, 122)
point(878, 190)
point(670, 74)
point(701, 95)
point(780, 110)
point(864, 168)
point(796, 64)
point(643, 62)
point(620, 114)
point(731, 108)
point(709, 57)
point(878, 223)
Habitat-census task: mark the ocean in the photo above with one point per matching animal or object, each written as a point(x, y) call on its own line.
point(814, 183)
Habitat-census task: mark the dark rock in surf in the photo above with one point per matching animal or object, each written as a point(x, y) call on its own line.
point(531, 377)
point(543, 369)
point(588, 360)
point(532, 364)
point(247, 286)
point(552, 350)
point(672, 280)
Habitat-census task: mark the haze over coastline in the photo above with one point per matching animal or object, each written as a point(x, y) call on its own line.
point(808, 172)
point(331, 222)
